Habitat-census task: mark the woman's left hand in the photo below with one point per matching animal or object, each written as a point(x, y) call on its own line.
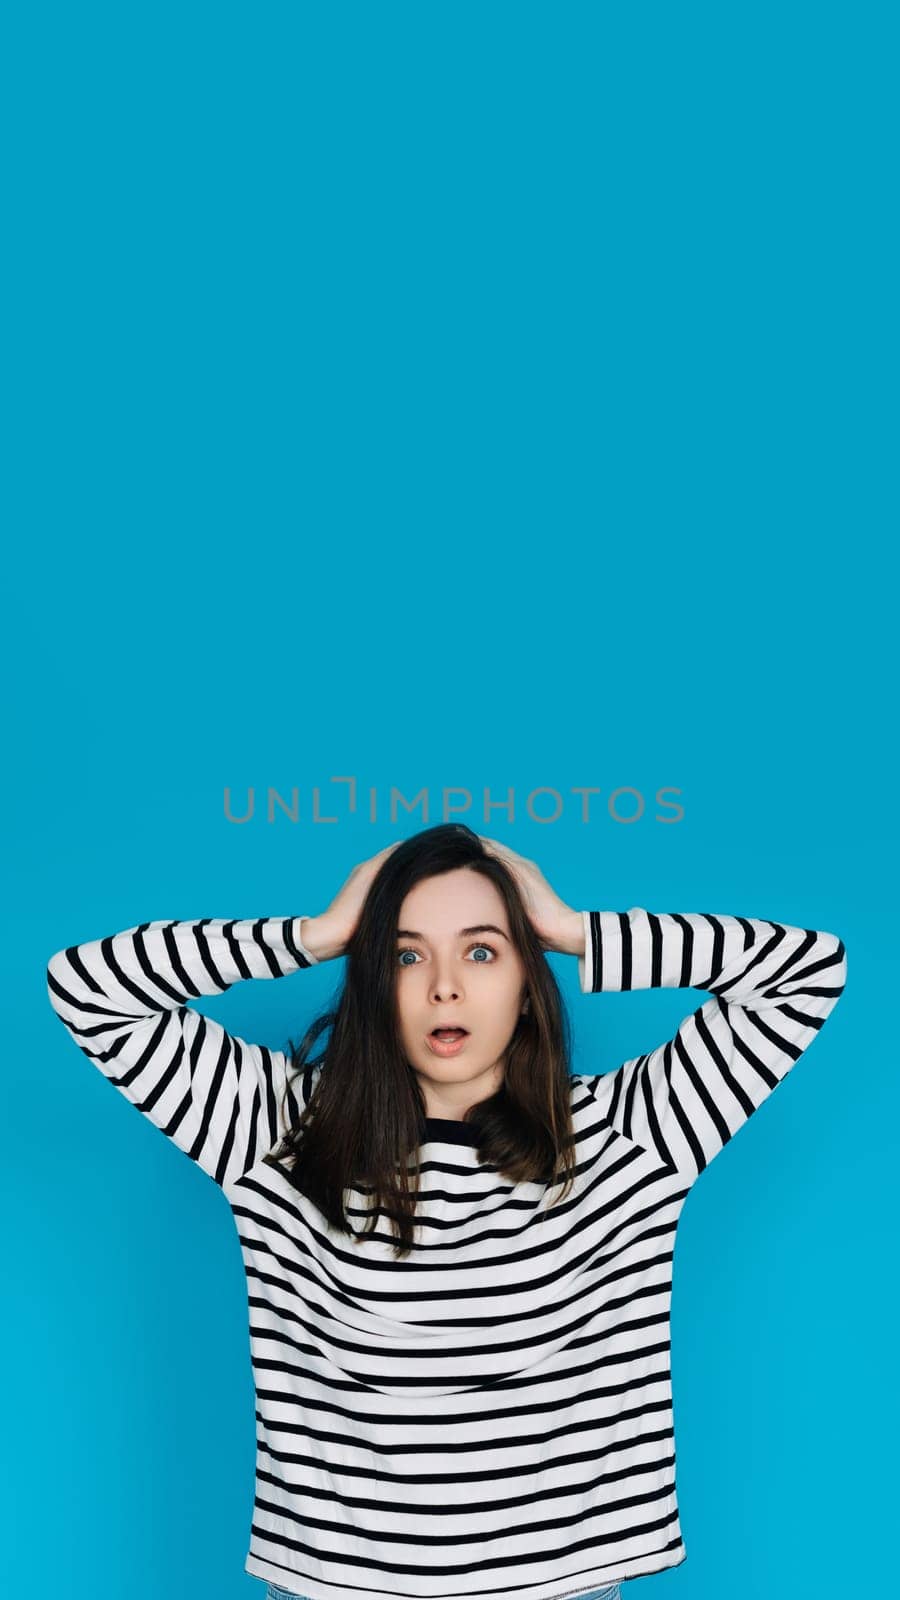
point(557, 926)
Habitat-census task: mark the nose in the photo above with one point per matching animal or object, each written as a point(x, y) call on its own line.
point(444, 987)
point(446, 979)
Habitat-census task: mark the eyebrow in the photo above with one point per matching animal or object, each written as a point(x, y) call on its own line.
point(481, 927)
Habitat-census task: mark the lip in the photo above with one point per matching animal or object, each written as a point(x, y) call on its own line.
point(446, 1047)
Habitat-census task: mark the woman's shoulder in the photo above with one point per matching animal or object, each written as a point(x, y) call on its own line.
point(584, 1083)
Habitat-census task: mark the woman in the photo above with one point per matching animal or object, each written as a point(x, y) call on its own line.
point(458, 1254)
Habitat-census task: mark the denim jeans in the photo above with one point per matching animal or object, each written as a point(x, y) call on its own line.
point(610, 1592)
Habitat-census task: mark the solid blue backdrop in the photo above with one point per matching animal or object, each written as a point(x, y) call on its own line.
point(489, 398)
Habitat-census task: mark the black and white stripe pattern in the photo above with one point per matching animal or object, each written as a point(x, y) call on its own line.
point(773, 987)
point(123, 999)
point(490, 1416)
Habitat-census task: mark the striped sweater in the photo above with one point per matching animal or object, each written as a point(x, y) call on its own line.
point(491, 1415)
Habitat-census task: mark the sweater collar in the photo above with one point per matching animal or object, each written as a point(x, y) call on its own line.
point(446, 1130)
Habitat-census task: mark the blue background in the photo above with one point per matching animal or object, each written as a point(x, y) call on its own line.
point(487, 397)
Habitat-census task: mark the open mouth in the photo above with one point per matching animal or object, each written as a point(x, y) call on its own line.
point(447, 1041)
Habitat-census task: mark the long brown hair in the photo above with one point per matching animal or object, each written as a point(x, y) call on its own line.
point(365, 1112)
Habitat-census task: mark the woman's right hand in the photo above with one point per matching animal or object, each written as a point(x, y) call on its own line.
point(328, 935)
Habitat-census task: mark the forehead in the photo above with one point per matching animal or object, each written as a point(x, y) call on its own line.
point(439, 907)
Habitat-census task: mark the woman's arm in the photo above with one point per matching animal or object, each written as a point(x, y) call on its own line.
point(124, 1000)
point(773, 985)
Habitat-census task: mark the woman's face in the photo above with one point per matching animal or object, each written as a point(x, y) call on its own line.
point(447, 972)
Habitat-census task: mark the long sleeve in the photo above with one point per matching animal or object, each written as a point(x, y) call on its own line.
point(124, 1000)
point(773, 987)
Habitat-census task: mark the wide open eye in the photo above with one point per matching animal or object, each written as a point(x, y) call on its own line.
point(407, 950)
point(489, 947)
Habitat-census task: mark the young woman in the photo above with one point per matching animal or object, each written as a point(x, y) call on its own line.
point(458, 1254)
